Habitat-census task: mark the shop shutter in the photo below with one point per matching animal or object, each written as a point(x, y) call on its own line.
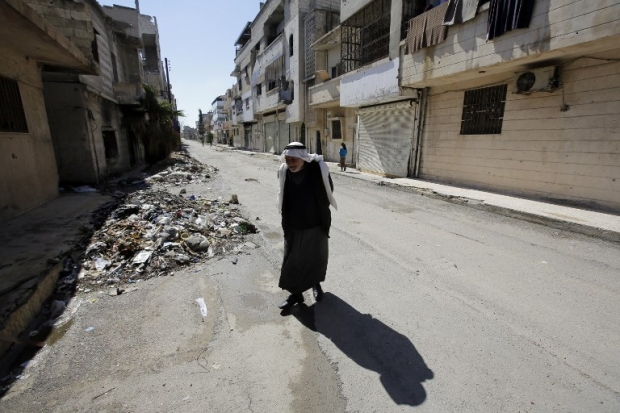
point(385, 135)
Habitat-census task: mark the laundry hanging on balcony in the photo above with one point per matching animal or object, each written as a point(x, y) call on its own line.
point(460, 11)
point(427, 29)
point(506, 15)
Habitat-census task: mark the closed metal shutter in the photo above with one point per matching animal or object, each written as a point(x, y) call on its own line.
point(385, 135)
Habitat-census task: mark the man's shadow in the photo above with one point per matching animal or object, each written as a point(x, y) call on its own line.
point(372, 345)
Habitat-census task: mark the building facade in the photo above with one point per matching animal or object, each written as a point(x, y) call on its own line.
point(30, 46)
point(467, 92)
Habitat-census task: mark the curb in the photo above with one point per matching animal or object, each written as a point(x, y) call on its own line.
point(603, 234)
point(562, 225)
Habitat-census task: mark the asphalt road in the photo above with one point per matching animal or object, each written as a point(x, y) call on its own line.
point(429, 306)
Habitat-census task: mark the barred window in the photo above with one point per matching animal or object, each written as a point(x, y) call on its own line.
point(336, 129)
point(365, 36)
point(12, 116)
point(483, 110)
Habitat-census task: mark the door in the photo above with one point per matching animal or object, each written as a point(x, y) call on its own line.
point(319, 150)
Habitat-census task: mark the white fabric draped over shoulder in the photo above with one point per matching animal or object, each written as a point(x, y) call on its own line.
point(302, 153)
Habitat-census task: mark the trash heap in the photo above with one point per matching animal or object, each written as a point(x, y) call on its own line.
point(153, 232)
point(181, 170)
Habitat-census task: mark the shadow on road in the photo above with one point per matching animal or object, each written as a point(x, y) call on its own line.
point(371, 344)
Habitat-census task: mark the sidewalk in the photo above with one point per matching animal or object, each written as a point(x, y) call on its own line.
point(597, 224)
point(32, 246)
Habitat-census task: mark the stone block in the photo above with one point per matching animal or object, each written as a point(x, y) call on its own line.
point(80, 24)
point(58, 22)
point(66, 31)
point(80, 15)
point(84, 34)
point(57, 11)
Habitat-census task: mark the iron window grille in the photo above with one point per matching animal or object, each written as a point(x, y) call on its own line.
point(365, 37)
point(483, 110)
point(336, 129)
point(12, 116)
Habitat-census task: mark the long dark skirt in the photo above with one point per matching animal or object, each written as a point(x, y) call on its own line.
point(305, 259)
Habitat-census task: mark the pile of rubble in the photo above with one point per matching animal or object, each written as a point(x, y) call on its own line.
point(153, 232)
point(179, 169)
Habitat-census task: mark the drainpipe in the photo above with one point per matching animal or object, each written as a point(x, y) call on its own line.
point(355, 138)
point(277, 145)
point(418, 138)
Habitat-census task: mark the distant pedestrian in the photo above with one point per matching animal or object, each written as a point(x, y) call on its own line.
point(202, 139)
point(304, 198)
point(343, 157)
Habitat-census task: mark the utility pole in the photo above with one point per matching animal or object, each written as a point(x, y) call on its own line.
point(168, 81)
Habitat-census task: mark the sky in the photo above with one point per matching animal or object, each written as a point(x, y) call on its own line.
point(198, 38)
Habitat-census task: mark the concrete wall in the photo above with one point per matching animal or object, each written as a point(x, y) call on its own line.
point(371, 84)
point(126, 18)
point(349, 7)
point(294, 66)
point(107, 118)
point(71, 18)
point(542, 152)
point(105, 43)
point(28, 175)
point(73, 140)
point(558, 29)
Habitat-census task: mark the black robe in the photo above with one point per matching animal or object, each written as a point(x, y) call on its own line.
point(306, 220)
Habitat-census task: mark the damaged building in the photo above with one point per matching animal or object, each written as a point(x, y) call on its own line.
point(109, 52)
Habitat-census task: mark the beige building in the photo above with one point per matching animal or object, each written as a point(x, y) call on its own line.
point(30, 45)
point(449, 91)
point(533, 111)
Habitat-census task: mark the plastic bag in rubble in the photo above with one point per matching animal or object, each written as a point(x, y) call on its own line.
point(202, 221)
point(101, 263)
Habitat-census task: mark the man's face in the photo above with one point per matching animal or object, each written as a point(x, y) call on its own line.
point(294, 164)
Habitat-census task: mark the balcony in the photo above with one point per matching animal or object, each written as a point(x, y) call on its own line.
point(128, 93)
point(326, 94)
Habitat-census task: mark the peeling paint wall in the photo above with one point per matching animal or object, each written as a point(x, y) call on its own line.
point(28, 176)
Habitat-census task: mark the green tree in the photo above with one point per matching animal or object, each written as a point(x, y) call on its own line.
point(155, 126)
point(201, 124)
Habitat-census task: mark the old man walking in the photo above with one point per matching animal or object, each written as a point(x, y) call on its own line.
point(304, 199)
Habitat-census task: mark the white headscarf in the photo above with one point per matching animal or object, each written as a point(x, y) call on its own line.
point(298, 150)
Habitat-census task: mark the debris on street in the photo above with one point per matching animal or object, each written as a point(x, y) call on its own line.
point(153, 232)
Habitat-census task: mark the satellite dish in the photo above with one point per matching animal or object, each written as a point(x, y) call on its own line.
point(526, 81)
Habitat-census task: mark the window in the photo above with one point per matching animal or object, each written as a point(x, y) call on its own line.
point(271, 85)
point(336, 129)
point(259, 89)
point(365, 36)
point(483, 110)
point(95, 48)
point(12, 116)
point(336, 70)
point(114, 68)
point(290, 45)
point(247, 103)
point(109, 142)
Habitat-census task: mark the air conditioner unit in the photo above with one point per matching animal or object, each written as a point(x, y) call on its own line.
point(544, 79)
